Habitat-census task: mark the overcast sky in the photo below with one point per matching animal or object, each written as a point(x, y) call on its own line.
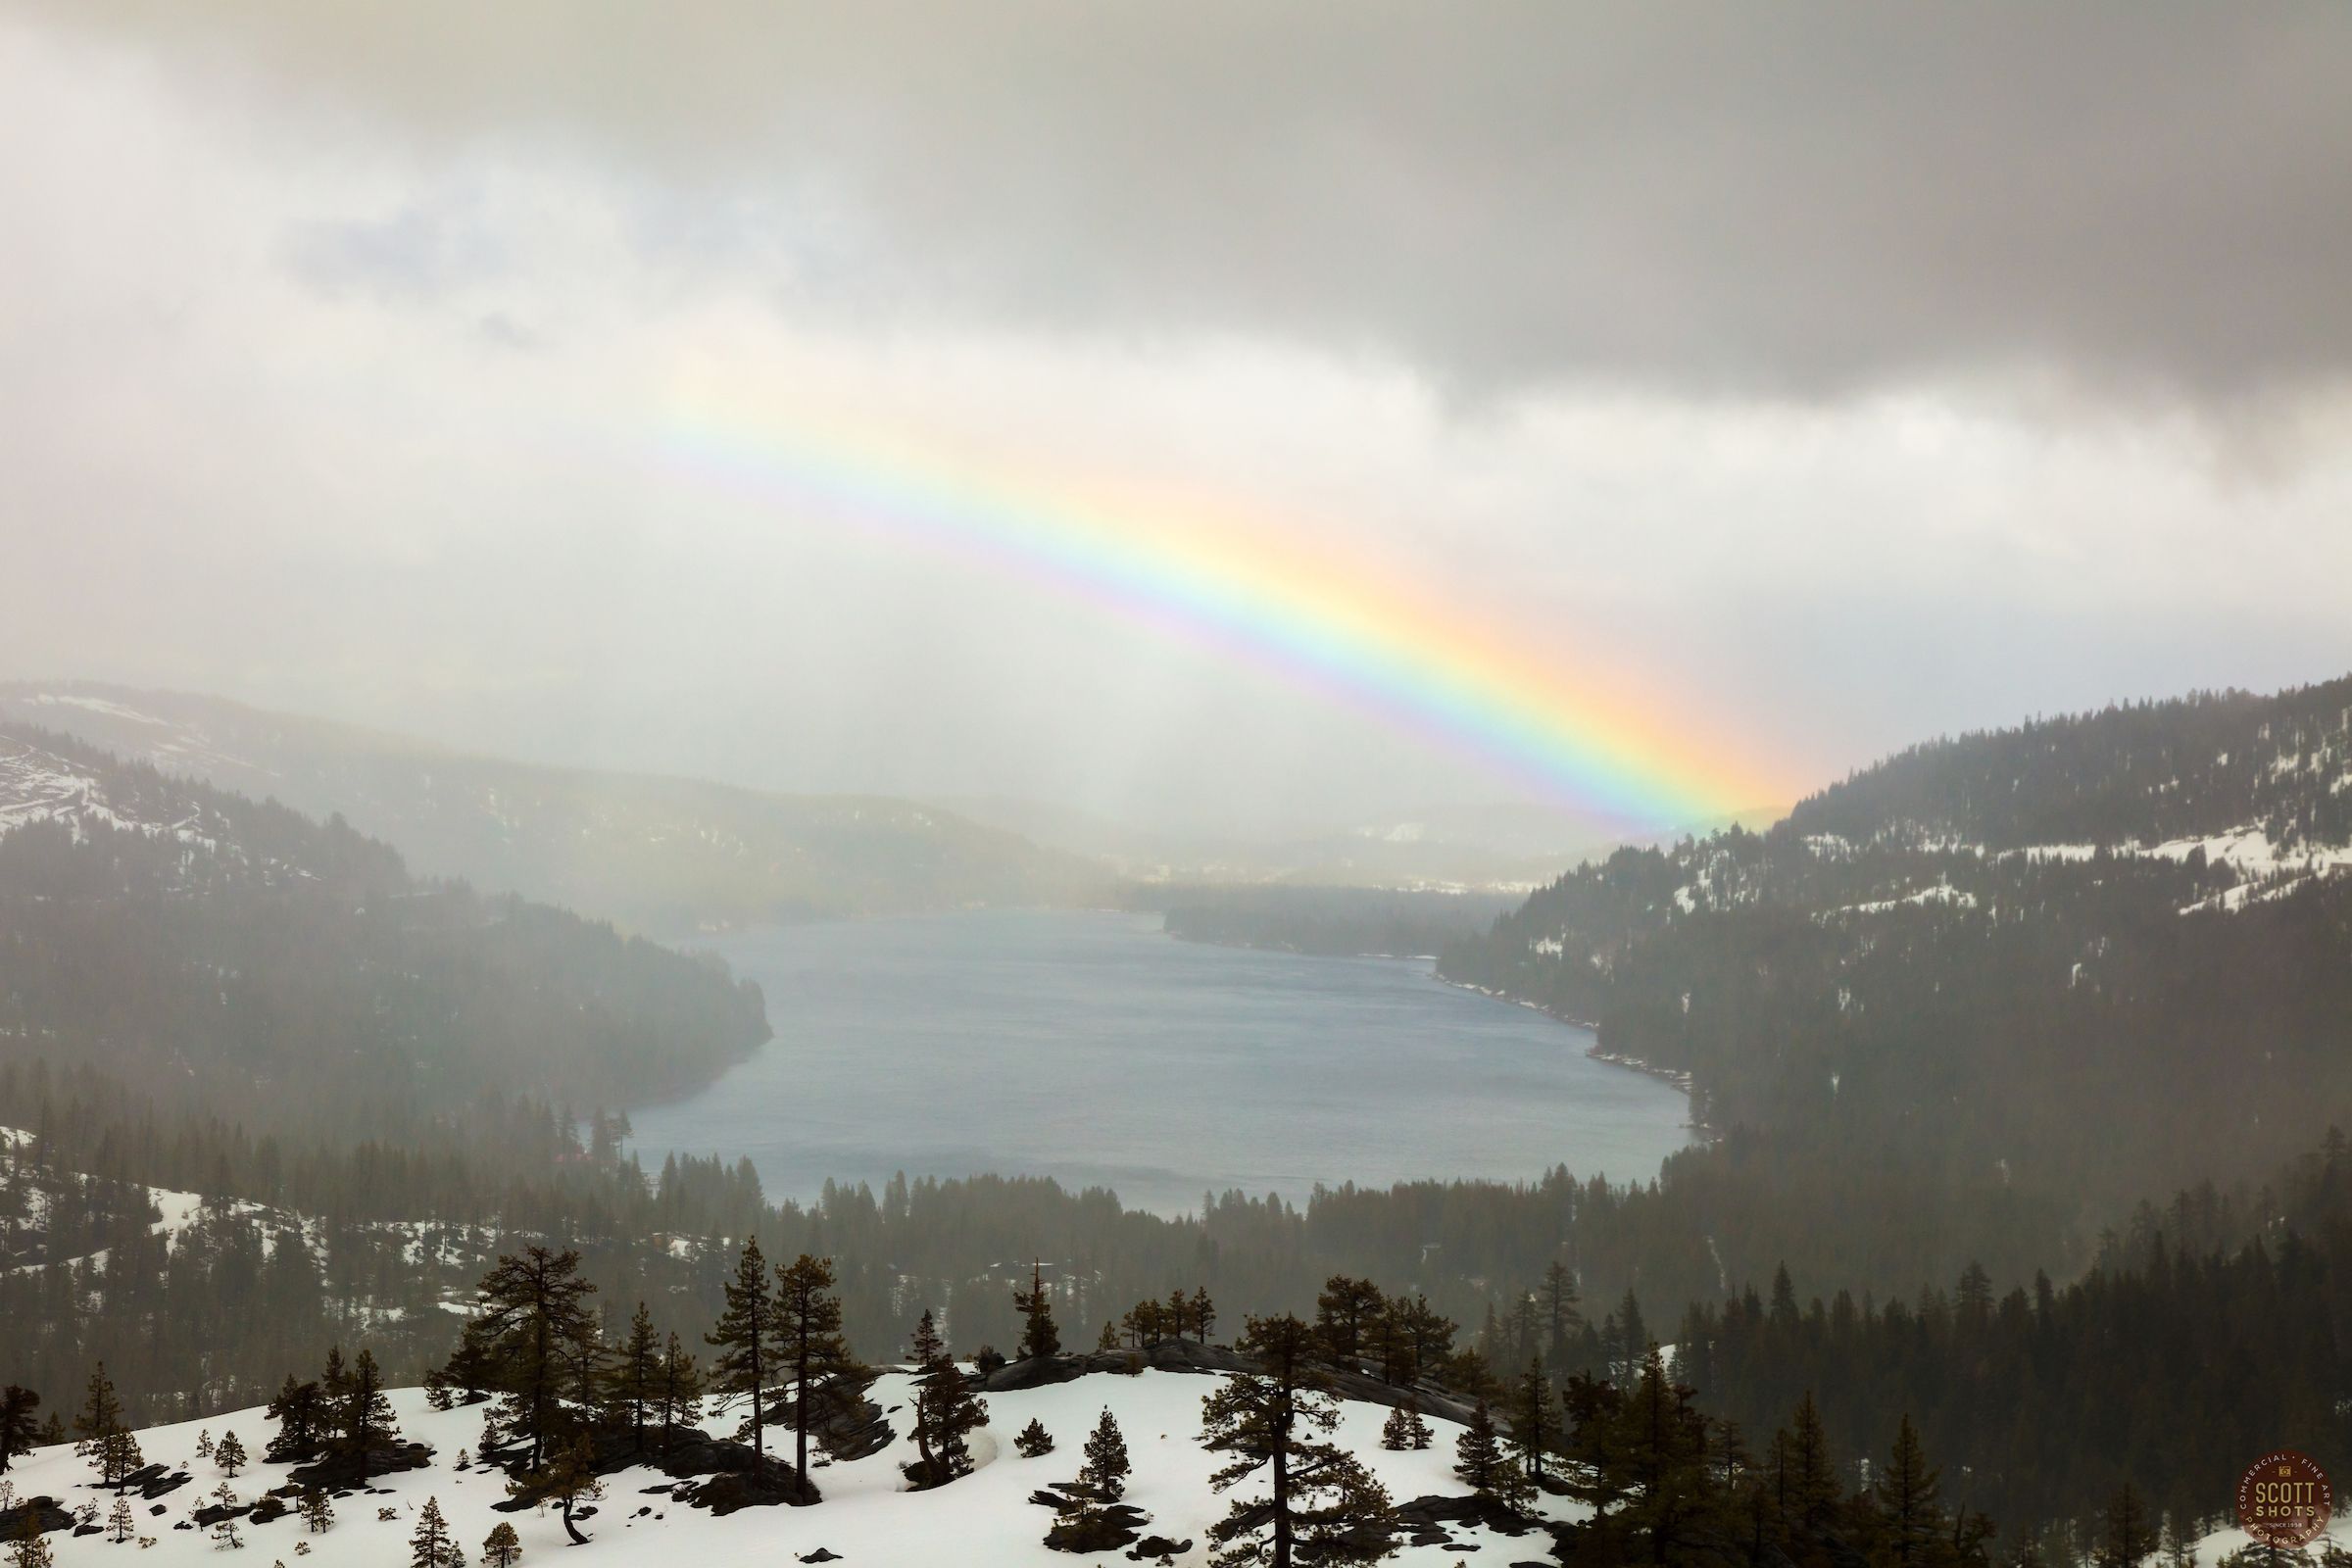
point(1833, 376)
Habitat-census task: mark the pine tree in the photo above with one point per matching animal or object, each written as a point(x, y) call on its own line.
point(1323, 1507)
point(1478, 1458)
point(30, 1549)
point(1039, 1335)
point(429, 1545)
point(1034, 1442)
point(1345, 1313)
point(1560, 1303)
point(1106, 1468)
point(225, 1535)
point(1911, 1519)
point(1111, 1336)
point(110, 1446)
point(317, 1512)
point(19, 1428)
point(1404, 1430)
point(634, 1381)
point(229, 1454)
point(2127, 1536)
point(1658, 1464)
point(1531, 1427)
point(812, 1354)
point(1808, 1486)
point(300, 1411)
point(204, 1442)
point(1204, 1312)
point(946, 1412)
point(120, 1523)
point(532, 1339)
point(681, 1390)
point(746, 1338)
point(365, 1422)
point(568, 1477)
point(2176, 1542)
point(502, 1547)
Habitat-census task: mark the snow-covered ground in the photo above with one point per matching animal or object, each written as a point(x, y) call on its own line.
point(984, 1520)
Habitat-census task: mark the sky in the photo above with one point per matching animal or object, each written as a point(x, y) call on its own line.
point(960, 401)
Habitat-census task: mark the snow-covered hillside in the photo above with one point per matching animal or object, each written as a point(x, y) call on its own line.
point(38, 785)
point(985, 1520)
point(654, 852)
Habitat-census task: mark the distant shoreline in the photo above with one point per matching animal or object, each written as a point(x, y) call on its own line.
point(1674, 1076)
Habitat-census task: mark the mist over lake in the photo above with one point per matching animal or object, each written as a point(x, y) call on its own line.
point(1095, 1050)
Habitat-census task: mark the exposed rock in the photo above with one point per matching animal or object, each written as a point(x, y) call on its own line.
point(152, 1481)
point(772, 1486)
point(340, 1470)
point(1097, 1527)
point(45, 1512)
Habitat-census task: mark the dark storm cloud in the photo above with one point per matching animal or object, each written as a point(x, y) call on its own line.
point(2143, 198)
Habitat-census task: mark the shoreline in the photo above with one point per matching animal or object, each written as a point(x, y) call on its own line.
point(1674, 1076)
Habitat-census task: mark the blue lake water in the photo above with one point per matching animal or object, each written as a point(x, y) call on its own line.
point(1095, 1050)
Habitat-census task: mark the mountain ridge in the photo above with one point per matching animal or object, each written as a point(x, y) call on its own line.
point(659, 852)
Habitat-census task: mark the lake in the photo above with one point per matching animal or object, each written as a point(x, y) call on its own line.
point(1093, 1048)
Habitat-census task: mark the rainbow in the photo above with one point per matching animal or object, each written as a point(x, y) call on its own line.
point(1215, 577)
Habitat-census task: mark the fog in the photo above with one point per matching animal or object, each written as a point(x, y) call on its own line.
point(1812, 385)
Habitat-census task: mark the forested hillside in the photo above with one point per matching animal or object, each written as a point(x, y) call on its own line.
point(294, 974)
point(660, 855)
point(2089, 957)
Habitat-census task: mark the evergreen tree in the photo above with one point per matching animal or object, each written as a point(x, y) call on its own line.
point(110, 1446)
point(229, 1454)
point(812, 1354)
point(1478, 1458)
point(1039, 1336)
point(1911, 1520)
point(1105, 1470)
point(225, 1533)
point(30, 1549)
point(1808, 1483)
point(946, 1412)
point(1405, 1430)
point(634, 1380)
point(1109, 1340)
point(1560, 1303)
point(502, 1547)
point(301, 1413)
point(569, 1476)
point(1323, 1507)
point(1204, 1312)
point(317, 1512)
point(681, 1390)
point(429, 1545)
point(120, 1522)
point(531, 1337)
point(1660, 1466)
point(1531, 1427)
point(19, 1428)
point(746, 1337)
point(1034, 1442)
point(365, 1422)
point(2126, 1535)
point(1344, 1313)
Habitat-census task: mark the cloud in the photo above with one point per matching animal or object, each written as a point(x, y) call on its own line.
point(2142, 199)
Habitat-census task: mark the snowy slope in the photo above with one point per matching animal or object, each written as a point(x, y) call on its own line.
point(37, 785)
point(984, 1520)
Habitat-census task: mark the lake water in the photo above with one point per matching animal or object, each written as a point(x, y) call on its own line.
point(1093, 1049)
